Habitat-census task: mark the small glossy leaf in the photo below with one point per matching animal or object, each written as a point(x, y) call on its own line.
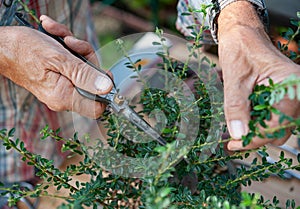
point(165, 191)
point(185, 14)
point(155, 43)
point(11, 132)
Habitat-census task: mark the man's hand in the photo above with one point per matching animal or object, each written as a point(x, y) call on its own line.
point(248, 58)
point(44, 67)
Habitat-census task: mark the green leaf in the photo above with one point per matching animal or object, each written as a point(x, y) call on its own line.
point(17, 141)
point(57, 131)
point(298, 157)
point(260, 107)
point(281, 155)
point(226, 205)
point(288, 203)
point(167, 130)
point(75, 136)
point(279, 44)
point(293, 204)
point(281, 118)
point(165, 191)
point(275, 111)
point(160, 149)
point(11, 132)
point(185, 14)
point(22, 145)
point(137, 61)
point(290, 32)
point(275, 200)
point(155, 43)
point(30, 163)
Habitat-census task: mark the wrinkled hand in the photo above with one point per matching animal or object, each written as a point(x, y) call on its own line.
point(248, 58)
point(44, 67)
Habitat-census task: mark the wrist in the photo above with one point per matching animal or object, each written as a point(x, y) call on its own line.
point(237, 12)
point(231, 17)
point(9, 41)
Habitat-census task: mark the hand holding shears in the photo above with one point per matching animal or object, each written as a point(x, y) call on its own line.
point(114, 101)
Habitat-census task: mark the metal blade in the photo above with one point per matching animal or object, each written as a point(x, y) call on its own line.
point(121, 107)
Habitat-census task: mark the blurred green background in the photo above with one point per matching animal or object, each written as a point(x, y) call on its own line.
point(117, 18)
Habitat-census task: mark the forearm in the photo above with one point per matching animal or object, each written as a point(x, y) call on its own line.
point(241, 32)
point(239, 13)
point(9, 42)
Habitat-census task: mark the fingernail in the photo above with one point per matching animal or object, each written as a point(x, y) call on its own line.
point(102, 83)
point(237, 129)
point(42, 17)
point(72, 38)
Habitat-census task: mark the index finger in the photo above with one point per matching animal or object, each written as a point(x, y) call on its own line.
point(286, 106)
point(54, 27)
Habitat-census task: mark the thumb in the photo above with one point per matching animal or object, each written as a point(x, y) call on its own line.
point(86, 77)
point(237, 108)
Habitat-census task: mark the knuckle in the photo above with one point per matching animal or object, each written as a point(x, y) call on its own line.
point(54, 59)
point(85, 46)
point(79, 72)
point(233, 104)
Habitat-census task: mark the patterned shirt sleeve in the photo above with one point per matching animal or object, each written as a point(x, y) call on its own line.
point(19, 109)
point(197, 19)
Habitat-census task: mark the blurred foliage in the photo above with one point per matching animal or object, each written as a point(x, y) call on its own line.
point(161, 13)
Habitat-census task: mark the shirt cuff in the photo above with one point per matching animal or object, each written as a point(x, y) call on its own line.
point(219, 5)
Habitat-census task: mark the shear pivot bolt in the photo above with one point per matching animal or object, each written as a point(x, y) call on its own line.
point(119, 99)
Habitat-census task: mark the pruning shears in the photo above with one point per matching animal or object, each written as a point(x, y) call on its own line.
point(115, 102)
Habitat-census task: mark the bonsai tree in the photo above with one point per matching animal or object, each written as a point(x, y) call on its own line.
point(192, 170)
